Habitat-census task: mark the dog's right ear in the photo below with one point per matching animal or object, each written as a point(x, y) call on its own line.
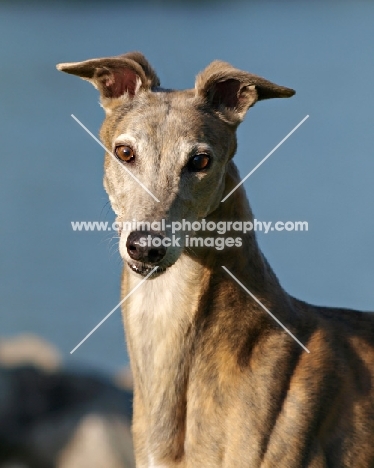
point(124, 75)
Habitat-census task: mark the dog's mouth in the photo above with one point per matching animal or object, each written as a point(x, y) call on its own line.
point(144, 269)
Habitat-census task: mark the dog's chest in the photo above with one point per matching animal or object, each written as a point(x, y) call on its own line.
point(158, 317)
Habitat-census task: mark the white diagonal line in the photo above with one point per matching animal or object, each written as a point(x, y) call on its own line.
point(266, 310)
point(123, 167)
point(265, 158)
point(115, 308)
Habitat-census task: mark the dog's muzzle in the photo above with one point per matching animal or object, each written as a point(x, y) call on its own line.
point(146, 248)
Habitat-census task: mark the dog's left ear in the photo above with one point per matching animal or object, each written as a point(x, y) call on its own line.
point(231, 92)
point(115, 76)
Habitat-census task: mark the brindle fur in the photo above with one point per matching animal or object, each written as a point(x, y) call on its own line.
point(217, 382)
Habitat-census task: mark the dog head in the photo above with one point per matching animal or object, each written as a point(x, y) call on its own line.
point(168, 152)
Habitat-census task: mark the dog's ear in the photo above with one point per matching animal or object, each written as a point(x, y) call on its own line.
point(231, 92)
point(115, 76)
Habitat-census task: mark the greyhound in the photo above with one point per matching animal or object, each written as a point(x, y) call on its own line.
point(217, 382)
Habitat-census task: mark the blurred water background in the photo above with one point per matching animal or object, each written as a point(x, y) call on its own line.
point(58, 283)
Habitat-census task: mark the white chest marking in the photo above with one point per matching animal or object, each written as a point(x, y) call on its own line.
point(158, 316)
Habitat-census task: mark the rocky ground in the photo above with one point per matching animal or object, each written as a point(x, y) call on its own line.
point(52, 417)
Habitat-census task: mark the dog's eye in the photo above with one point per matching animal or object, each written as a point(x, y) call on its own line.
point(198, 162)
point(124, 153)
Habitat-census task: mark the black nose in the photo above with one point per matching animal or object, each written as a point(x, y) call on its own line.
point(145, 246)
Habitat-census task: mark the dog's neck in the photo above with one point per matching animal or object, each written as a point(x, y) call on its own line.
point(247, 258)
point(159, 332)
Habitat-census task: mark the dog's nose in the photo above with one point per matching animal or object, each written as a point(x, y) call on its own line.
point(145, 246)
